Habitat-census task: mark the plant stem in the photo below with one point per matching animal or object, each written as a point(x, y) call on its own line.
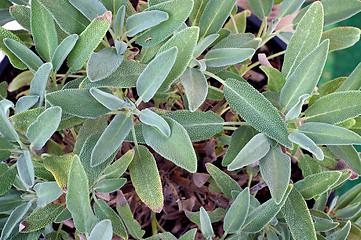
point(65, 77)
point(224, 236)
point(134, 136)
point(58, 231)
point(215, 77)
point(230, 128)
point(250, 181)
point(258, 63)
point(261, 28)
point(154, 223)
point(234, 23)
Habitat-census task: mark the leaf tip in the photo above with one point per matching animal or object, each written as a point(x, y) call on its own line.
point(107, 16)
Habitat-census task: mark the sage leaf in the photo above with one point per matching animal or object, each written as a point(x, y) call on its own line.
point(89, 8)
point(289, 7)
point(190, 235)
point(261, 8)
point(107, 100)
point(114, 5)
point(298, 217)
point(306, 37)
point(295, 111)
point(353, 81)
point(342, 233)
point(155, 73)
point(150, 118)
point(26, 169)
point(145, 178)
point(206, 225)
point(253, 151)
point(223, 180)
point(6, 129)
point(199, 125)
point(14, 219)
point(275, 169)
point(214, 16)
point(40, 131)
point(125, 76)
point(178, 11)
point(239, 139)
point(185, 41)
point(59, 166)
point(276, 80)
point(77, 197)
point(86, 105)
point(237, 213)
point(316, 184)
point(21, 14)
point(39, 82)
point(42, 218)
point(349, 155)
point(25, 103)
point(47, 192)
point(326, 134)
point(118, 168)
point(69, 19)
point(255, 109)
point(341, 37)
point(43, 31)
point(110, 185)
point(263, 214)
point(306, 143)
point(103, 211)
point(8, 177)
point(195, 86)
point(143, 21)
point(14, 60)
point(119, 21)
point(204, 44)
point(23, 79)
point(111, 139)
point(103, 63)
point(102, 231)
point(63, 50)
point(227, 56)
point(88, 40)
point(177, 147)
point(304, 78)
point(197, 12)
point(28, 57)
point(5, 148)
point(239, 23)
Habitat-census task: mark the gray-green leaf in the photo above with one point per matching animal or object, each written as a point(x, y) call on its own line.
point(306, 143)
point(288, 7)
point(295, 111)
point(227, 56)
point(261, 8)
point(63, 50)
point(150, 118)
point(110, 185)
point(89, 8)
point(143, 21)
point(102, 231)
point(342, 37)
point(353, 82)
point(119, 21)
point(206, 225)
point(107, 100)
point(39, 82)
point(349, 155)
point(26, 169)
point(47, 192)
point(342, 233)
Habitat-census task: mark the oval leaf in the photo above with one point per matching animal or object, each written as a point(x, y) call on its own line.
point(150, 118)
point(143, 21)
point(261, 8)
point(63, 50)
point(47, 192)
point(108, 100)
point(349, 155)
point(306, 143)
point(206, 225)
point(102, 231)
point(89, 8)
point(110, 185)
point(342, 37)
point(26, 169)
point(227, 56)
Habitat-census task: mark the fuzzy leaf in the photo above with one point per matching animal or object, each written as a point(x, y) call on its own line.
point(237, 213)
point(295, 111)
point(28, 57)
point(118, 168)
point(155, 73)
point(349, 155)
point(206, 225)
point(239, 23)
point(14, 60)
point(63, 50)
point(47, 192)
point(316, 184)
point(66, 15)
point(119, 21)
point(40, 131)
point(253, 151)
point(255, 109)
point(214, 16)
point(342, 233)
point(77, 197)
point(59, 166)
point(304, 78)
point(39, 82)
point(275, 169)
point(86, 106)
point(298, 217)
point(185, 41)
point(8, 177)
point(263, 214)
point(5, 148)
point(276, 80)
point(197, 12)
point(227, 56)
point(107, 100)
point(145, 178)
point(178, 11)
point(26, 169)
point(261, 8)
point(199, 125)
point(102, 231)
point(103, 63)
point(88, 40)
point(204, 44)
point(288, 7)
point(223, 180)
point(110, 185)
point(353, 82)
point(326, 134)
point(306, 143)
point(144, 20)
point(21, 15)
point(306, 38)
point(103, 211)
point(89, 8)
point(195, 86)
point(42, 218)
point(177, 147)
point(6, 129)
point(342, 37)
point(150, 118)
point(111, 139)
